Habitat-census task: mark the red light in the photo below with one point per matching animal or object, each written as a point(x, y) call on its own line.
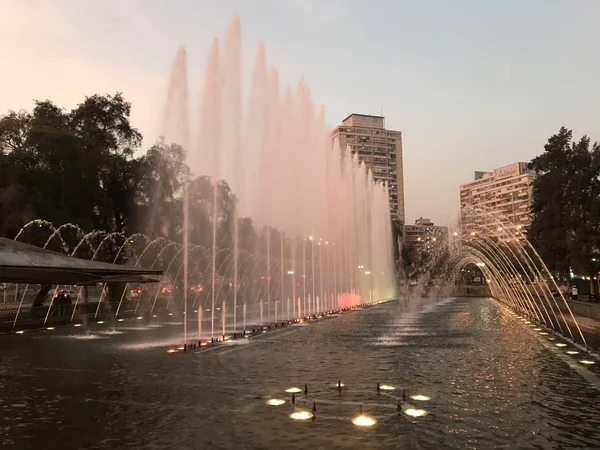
point(268, 277)
point(230, 284)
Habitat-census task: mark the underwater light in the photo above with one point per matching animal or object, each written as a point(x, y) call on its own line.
point(275, 402)
point(543, 333)
point(587, 362)
point(572, 352)
point(293, 390)
point(139, 318)
point(421, 398)
point(386, 387)
point(415, 412)
point(50, 328)
point(301, 415)
point(172, 350)
point(77, 325)
point(20, 332)
point(364, 421)
point(537, 329)
point(100, 322)
point(560, 344)
point(120, 320)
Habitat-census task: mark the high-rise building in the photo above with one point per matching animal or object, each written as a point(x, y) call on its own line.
point(493, 198)
point(425, 234)
point(380, 150)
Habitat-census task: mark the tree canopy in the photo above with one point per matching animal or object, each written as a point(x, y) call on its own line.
point(566, 204)
point(84, 166)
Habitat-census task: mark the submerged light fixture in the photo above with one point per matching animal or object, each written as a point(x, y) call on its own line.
point(420, 398)
point(301, 415)
point(413, 412)
point(363, 420)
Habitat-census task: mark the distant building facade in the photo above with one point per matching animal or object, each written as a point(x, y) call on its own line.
point(425, 234)
point(505, 194)
point(380, 150)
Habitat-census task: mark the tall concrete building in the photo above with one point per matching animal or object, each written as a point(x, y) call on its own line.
point(425, 234)
point(504, 193)
point(379, 149)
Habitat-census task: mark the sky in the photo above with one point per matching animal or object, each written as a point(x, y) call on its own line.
point(473, 85)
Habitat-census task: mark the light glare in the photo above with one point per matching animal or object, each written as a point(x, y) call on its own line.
point(415, 412)
point(275, 402)
point(301, 415)
point(364, 421)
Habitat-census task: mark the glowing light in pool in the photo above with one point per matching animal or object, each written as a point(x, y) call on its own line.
point(336, 385)
point(172, 350)
point(293, 390)
point(412, 412)
point(543, 333)
point(587, 362)
point(170, 314)
point(120, 320)
point(50, 328)
point(100, 322)
point(386, 387)
point(275, 402)
point(154, 315)
point(526, 321)
point(537, 329)
point(139, 318)
point(560, 344)
point(421, 398)
point(364, 421)
point(20, 332)
point(77, 325)
point(572, 352)
point(301, 415)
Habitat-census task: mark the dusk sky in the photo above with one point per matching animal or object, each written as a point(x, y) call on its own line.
point(472, 84)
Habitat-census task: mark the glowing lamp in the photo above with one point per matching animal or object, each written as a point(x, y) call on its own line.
point(412, 412)
point(301, 415)
point(364, 421)
point(420, 398)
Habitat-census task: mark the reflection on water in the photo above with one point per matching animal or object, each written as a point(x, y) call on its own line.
point(474, 377)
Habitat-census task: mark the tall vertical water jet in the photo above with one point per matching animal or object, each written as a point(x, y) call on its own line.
point(210, 145)
point(231, 136)
point(176, 129)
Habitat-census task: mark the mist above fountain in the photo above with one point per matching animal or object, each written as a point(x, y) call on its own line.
point(276, 153)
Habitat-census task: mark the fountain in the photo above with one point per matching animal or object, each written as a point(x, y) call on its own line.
point(275, 152)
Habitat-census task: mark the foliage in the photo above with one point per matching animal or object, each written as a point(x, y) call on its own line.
point(566, 204)
point(84, 167)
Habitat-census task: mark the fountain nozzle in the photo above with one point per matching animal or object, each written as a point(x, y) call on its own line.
point(306, 389)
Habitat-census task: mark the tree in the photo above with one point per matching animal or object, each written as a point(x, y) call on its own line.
point(75, 166)
point(566, 204)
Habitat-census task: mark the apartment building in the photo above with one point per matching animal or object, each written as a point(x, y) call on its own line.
point(380, 149)
point(502, 196)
